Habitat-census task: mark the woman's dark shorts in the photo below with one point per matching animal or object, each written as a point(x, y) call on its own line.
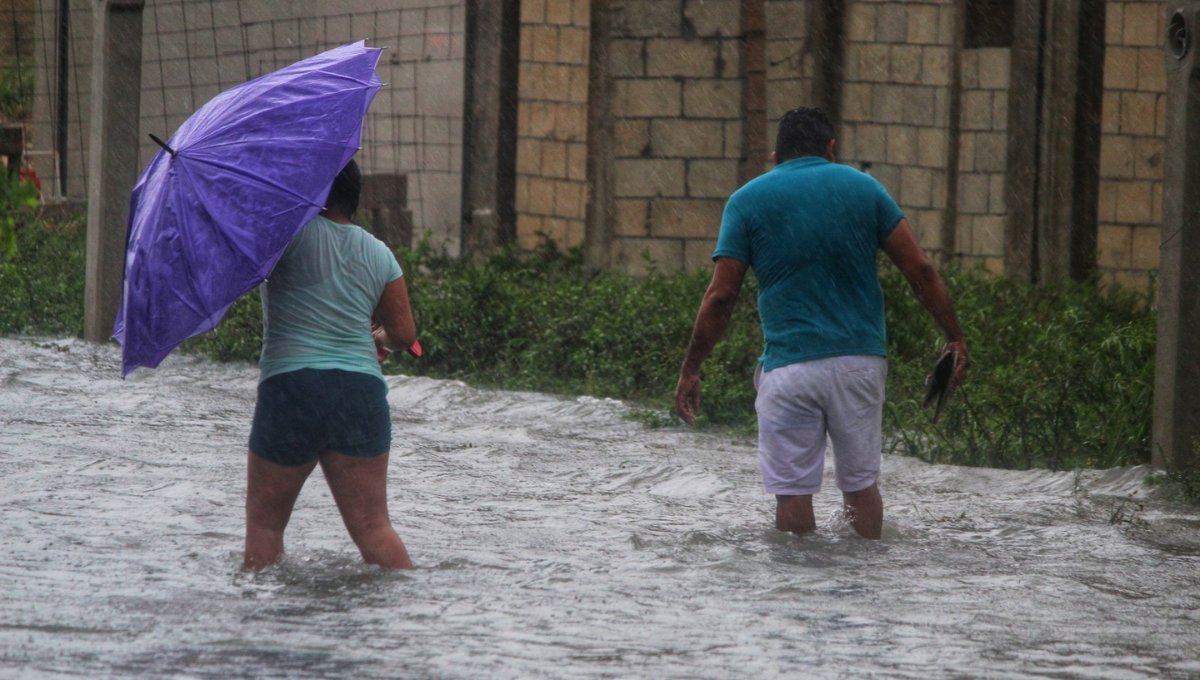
point(302, 413)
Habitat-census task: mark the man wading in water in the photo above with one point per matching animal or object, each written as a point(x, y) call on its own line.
point(810, 228)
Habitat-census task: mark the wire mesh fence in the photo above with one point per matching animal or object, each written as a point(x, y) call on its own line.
point(194, 49)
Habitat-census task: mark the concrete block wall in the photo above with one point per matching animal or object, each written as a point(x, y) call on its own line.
point(791, 63)
point(552, 115)
point(1132, 125)
point(677, 129)
point(982, 157)
point(896, 104)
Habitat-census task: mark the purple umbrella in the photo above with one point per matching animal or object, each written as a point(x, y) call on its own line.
point(213, 211)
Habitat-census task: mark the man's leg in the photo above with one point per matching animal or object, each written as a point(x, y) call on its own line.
point(359, 486)
point(864, 509)
point(795, 514)
point(271, 492)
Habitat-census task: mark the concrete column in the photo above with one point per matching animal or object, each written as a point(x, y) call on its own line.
point(490, 125)
point(1021, 184)
point(113, 158)
point(598, 230)
point(1177, 370)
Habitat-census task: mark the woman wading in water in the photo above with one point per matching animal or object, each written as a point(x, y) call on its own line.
point(321, 395)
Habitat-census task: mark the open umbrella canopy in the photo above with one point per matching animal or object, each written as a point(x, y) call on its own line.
point(213, 211)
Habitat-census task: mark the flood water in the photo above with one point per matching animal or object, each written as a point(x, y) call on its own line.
point(554, 538)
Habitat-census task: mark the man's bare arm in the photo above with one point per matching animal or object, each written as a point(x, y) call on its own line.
point(711, 320)
point(927, 284)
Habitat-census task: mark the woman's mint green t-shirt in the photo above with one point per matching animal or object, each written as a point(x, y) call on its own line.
point(318, 301)
point(811, 229)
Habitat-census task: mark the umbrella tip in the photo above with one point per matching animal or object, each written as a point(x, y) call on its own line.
point(163, 145)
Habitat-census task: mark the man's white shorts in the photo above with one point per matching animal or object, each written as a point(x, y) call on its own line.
point(799, 404)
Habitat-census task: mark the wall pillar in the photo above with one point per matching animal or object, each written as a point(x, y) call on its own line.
point(1177, 369)
point(113, 160)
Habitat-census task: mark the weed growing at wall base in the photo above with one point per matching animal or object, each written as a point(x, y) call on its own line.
point(1062, 376)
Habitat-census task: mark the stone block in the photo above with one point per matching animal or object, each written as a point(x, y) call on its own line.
point(974, 193)
point(578, 88)
point(891, 23)
point(713, 17)
point(931, 147)
point(927, 227)
point(785, 95)
point(988, 238)
point(733, 139)
point(582, 16)
point(570, 122)
point(697, 254)
point(521, 200)
point(976, 110)
point(529, 230)
point(905, 64)
point(569, 200)
point(922, 106)
point(874, 62)
point(637, 178)
point(1114, 23)
point(871, 143)
point(901, 144)
point(1114, 245)
point(1131, 279)
point(686, 218)
point(1134, 202)
point(860, 22)
point(529, 78)
point(995, 65)
point(533, 11)
point(556, 81)
point(888, 103)
point(1156, 207)
point(543, 43)
point(935, 66)
point(559, 11)
point(923, 24)
point(1116, 156)
point(1160, 115)
point(1151, 73)
point(844, 146)
point(529, 156)
point(968, 73)
point(657, 97)
point(540, 121)
point(916, 187)
point(577, 161)
point(555, 229)
point(1148, 158)
point(947, 24)
point(964, 229)
point(712, 99)
point(1107, 205)
point(788, 19)
point(997, 203)
point(648, 19)
point(1144, 24)
point(554, 159)
point(683, 138)
point(541, 196)
point(1146, 247)
point(631, 217)
point(856, 102)
point(627, 58)
point(991, 152)
point(1137, 113)
point(966, 151)
point(889, 177)
point(678, 57)
point(730, 63)
point(712, 179)
point(639, 256)
point(576, 229)
point(1121, 68)
point(1000, 110)
point(631, 138)
point(1110, 113)
point(573, 45)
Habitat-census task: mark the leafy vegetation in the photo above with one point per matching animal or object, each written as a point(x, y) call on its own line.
point(1062, 376)
point(16, 89)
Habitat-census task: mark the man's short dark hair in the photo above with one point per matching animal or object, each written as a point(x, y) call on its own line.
point(347, 187)
point(802, 132)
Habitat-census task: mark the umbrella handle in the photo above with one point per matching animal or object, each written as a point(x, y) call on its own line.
point(163, 144)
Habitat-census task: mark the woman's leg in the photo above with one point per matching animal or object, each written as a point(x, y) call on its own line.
point(271, 492)
point(359, 486)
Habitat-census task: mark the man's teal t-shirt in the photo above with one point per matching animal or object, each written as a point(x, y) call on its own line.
point(318, 300)
point(811, 229)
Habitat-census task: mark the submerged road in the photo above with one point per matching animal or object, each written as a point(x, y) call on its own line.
point(554, 538)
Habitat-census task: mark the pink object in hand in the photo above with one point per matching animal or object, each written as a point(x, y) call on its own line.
point(415, 350)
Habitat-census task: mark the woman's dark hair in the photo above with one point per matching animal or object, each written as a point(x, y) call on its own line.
point(802, 132)
point(347, 186)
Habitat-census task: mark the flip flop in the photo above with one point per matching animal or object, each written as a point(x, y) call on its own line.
point(938, 384)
